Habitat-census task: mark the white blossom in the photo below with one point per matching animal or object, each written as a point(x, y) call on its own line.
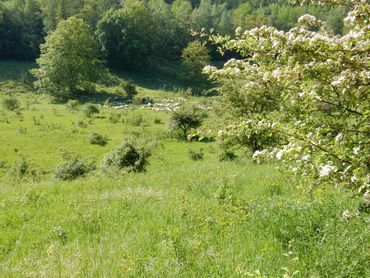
point(356, 150)
point(346, 215)
point(280, 154)
point(326, 170)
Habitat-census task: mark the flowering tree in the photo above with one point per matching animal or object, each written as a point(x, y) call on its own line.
point(309, 87)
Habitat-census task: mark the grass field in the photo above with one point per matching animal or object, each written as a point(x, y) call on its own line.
point(180, 218)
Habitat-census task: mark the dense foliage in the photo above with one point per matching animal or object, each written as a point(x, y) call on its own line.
point(72, 167)
point(130, 156)
point(309, 87)
point(152, 28)
point(185, 119)
point(68, 63)
point(194, 58)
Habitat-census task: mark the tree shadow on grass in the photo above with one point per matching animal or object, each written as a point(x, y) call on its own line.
point(95, 98)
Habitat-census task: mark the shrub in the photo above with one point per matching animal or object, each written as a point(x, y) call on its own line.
point(157, 121)
point(136, 120)
point(21, 130)
point(90, 110)
point(10, 103)
point(114, 118)
point(21, 170)
point(97, 139)
point(81, 124)
point(130, 88)
point(130, 156)
point(227, 155)
point(184, 119)
point(72, 167)
point(196, 155)
point(72, 105)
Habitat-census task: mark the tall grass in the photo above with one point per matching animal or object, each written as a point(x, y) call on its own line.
point(181, 218)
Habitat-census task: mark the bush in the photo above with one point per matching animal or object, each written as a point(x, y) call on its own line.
point(130, 88)
point(97, 139)
point(184, 119)
point(90, 110)
point(10, 103)
point(227, 155)
point(196, 155)
point(136, 120)
point(129, 156)
point(72, 167)
point(21, 170)
point(81, 124)
point(114, 118)
point(21, 130)
point(72, 105)
point(157, 121)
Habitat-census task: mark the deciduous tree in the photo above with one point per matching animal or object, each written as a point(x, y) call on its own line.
point(69, 60)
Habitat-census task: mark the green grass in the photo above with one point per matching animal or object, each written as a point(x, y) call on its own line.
point(180, 218)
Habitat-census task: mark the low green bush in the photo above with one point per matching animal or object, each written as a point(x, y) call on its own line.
point(72, 167)
point(130, 156)
point(227, 155)
point(22, 169)
point(72, 105)
point(90, 110)
point(185, 119)
point(98, 139)
point(136, 120)
point(114, 118)
point(81, 124)
point(157, 121)
point(10, 103)
point(196, 155)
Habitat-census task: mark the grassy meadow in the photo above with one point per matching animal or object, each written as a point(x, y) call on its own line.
point(179, 218)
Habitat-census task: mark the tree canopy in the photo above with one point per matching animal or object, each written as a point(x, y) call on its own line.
point(156, 29)
point(69, 60)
